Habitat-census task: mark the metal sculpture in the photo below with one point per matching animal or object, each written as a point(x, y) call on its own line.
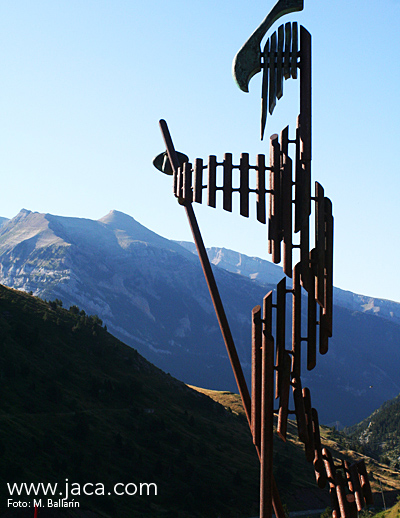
point(276, 370)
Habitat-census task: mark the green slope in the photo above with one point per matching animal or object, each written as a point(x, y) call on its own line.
point(380, 433)
point(299, 489)
point(77, 404)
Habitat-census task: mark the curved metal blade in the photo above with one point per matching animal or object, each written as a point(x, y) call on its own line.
point(247, 61)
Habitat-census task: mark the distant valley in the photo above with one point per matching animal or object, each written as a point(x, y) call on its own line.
point(150, 293)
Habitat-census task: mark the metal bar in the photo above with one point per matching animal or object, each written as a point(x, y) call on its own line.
point(350, 497)
point(355, 481)
point(300, 411)
point(280, 333)
point(219, 309)
point(212, 285)
point(187, 182)
point(311, 328)
point(295, 49)
point(272, 74)
point(256, 372)
point(227, 185)
point(179, 186)
point(299, 183)
point(279, 56)
point(267, 410)
point(287, 217)
point(320, 243)
point(306, 277)
point(296, 322)
point(285, 141)
point(305, 94)
point(275, 235)
point(365, 485)
point(309, 445)
point(284, 396)
point(288, 40)
point(198, 180)
point(319, 468)
point(212, 181)
point(331, 476)
point(261, 211)
point(328, 263)
point(264, 89)
point(323, 332)
point(341, 494)
point(244, 185)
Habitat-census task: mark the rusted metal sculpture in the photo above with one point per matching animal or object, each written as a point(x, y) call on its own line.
point(291, 201)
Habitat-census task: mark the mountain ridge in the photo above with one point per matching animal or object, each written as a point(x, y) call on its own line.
point(259, 270)
point(151, 293)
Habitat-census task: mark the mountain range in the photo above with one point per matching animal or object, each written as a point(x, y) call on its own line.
point(150, 292)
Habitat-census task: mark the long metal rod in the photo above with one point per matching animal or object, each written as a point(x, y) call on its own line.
point(212, 285)
point(219, 309)
point(220, 312)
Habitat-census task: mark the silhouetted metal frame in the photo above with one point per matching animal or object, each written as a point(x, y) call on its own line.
point(219, 310)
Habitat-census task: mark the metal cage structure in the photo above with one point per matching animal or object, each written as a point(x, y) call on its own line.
point(284, 201)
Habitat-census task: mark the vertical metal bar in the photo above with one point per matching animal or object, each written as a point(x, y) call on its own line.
point(341, 494)
point(279, 71)
point(365, 485)
point(328, 263)
point(244, 185)
point(309, 446)
point(285, 142)
point(227, 186)
point(296, 323)
point(355, 481)
point(350, 497)
point(284, 396)
point(323, 332)
point(305, 94)
point(331, 477)
point(179, 186)
point(261, 211)
point(198, 180)
point(212, 181)
point(295, 49)
point(300, 411)
point(287, 226)
point(288, 40)
point(311, 328)
point(280, 333)
point(319, 468)
point(264, 89)
point(267, 410)
point(299, 183)
point(256, 372)
point(272, 74)
point(320, 243)
point(275, 234)
point(187, 182)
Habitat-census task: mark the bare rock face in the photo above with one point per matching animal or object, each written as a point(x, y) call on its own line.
point(150, 293)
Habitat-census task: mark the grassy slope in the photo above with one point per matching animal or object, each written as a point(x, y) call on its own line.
point(380, 474)
point(76, 403)
point(393, 512)
point(380, 433)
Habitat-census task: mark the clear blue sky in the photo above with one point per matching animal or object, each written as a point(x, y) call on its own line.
point(84, 83)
